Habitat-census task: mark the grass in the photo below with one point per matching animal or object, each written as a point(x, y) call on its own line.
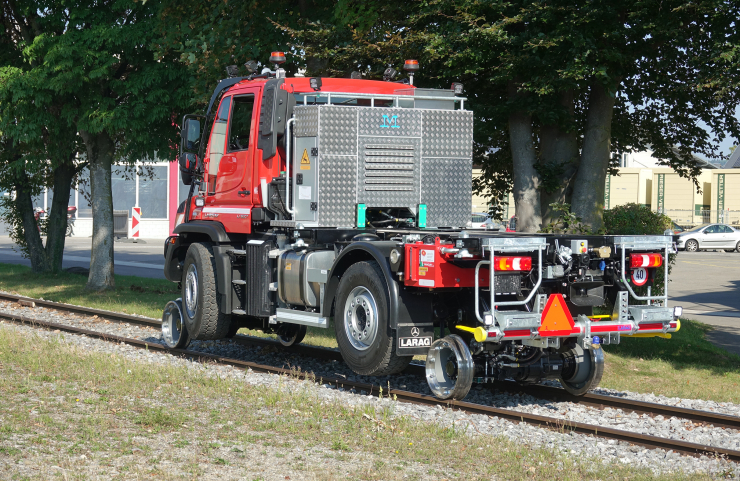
point(685, 366)
point(169, 422)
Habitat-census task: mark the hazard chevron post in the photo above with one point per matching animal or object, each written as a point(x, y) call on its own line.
point(135, 222)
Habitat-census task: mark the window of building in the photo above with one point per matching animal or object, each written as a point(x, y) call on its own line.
point(153, 192)
point(123, 187)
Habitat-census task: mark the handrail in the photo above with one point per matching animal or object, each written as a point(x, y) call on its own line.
point(287, 166)
point(393, 97)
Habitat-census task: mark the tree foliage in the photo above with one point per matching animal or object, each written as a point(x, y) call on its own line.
point(98, 67)
point(558, 87)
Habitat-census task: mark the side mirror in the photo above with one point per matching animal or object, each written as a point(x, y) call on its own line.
point(190, 134)
point(188, 163)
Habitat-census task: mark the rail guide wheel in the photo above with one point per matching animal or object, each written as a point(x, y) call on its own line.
point(450, 368)
point(582, 369)
point(291, 334)
point(174, 332)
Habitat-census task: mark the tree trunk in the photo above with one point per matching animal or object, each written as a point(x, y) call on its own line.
point(588, 189)
point(56, 227)
point(100, 151)
point(526, 179)
point(559, 152)
point(24, 204)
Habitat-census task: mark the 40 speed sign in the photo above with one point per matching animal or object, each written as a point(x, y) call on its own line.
point(639, 276)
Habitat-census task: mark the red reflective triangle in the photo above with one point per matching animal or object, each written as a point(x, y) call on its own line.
point(556, 318)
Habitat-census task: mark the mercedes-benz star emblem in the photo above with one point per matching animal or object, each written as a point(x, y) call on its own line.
point(415, 331)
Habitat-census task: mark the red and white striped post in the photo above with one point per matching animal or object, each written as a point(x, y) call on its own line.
point(135, 222)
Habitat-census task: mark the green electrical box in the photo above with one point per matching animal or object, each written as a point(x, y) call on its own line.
point(421, 217)
point(361, 208)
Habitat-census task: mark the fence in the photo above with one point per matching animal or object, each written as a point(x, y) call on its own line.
point(690, 218)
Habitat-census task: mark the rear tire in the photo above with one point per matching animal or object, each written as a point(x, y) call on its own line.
point(737, 247)
point(692, 245)
point(366, 341)
point(203, 319)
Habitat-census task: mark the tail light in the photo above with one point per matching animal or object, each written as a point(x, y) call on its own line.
point(645, 260)
point(512, 264)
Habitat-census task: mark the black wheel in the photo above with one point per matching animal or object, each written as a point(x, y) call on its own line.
point(737, 247)
point(582, 369)
point(291, 334)
point(200, 297)
point(69, 232)
point(692, 245)
point(174, 333)
point(366, 341)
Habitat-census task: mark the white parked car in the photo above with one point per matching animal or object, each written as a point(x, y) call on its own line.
point(481, 220)
point(710, 236)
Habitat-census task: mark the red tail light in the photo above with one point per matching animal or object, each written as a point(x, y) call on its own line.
point(645, 260)
point(512, 264)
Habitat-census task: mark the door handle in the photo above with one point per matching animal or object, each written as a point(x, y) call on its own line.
point(243, 192)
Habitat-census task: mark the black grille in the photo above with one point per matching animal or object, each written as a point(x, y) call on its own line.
point(259, 274)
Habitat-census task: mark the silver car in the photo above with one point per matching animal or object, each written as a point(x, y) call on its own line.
point(710, 236)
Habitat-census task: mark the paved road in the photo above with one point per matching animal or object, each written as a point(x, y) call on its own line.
point(143, 259)
point(707, 286)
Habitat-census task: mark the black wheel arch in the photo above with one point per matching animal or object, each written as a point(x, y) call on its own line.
point(201, 231)
point(402, 302)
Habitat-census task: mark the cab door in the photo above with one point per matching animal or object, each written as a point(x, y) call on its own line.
point(230, 170)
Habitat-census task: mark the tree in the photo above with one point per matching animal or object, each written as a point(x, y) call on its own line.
point(39, 144)
point(559, 88)
point(122, 95)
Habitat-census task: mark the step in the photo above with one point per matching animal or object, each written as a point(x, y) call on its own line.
point(239, 312)
point(237, 252)
point(239, 282)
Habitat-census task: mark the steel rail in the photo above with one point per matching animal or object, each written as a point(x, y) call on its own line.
point(549, 393)
point(562, 425)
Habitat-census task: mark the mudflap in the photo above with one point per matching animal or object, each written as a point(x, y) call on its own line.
point(414, 339)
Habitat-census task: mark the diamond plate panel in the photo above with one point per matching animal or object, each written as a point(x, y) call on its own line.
point(338, 130)
point(448, 133)
point(390, 122)
point(306, 121)
point(446, 189)
point(388, 172)
point(337, 190)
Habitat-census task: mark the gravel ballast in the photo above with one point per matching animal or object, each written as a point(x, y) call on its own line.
point(577, 444)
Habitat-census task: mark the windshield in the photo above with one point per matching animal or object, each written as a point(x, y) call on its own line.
point(699, 227)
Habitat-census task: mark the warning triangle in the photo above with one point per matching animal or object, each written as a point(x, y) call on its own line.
point(556, 318)
point(304, 157)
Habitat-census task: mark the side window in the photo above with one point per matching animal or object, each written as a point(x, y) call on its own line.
point(218, 141)
point(712, 229)
point(241, 123)
point(725, 229)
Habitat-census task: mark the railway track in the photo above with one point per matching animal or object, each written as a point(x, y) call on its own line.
point(543, 392)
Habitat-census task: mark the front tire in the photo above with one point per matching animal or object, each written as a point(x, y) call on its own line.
point(364, 336)
point(203, 319)
point(737, 247)
point(692, 245)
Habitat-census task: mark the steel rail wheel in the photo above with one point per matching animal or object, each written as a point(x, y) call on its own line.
point(450, 368)
point(174, 332)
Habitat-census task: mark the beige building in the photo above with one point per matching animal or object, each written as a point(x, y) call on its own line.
point(632, 185)
point(677, 196)
point(725, 196)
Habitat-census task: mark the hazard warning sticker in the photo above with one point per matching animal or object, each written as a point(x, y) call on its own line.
point(305, 161)
point(639, 276)
point(426, 256)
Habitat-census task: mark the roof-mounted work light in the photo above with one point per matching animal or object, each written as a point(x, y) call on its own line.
point(411, 66)
point(457, 87)
point(315, 83)
point(251, 66)
point(389, 74)
point(232, 71)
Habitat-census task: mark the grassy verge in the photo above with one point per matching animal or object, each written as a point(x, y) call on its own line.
point(685, 366)
point(74, 414)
